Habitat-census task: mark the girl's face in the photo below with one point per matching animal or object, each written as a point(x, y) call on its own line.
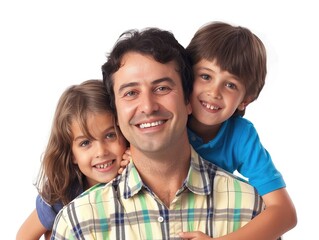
point(216, 94)
point(99, 158)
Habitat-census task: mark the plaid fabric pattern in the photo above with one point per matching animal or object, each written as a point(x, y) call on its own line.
point(210, 200)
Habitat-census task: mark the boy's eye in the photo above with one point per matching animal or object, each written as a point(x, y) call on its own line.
point(231, 85)
point(205, 76)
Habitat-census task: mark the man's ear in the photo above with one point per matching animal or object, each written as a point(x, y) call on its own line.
point(189, 108)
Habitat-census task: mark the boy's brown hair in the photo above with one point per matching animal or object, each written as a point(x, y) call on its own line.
point(236, 50)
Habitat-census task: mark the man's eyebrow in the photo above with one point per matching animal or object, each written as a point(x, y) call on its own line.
point(155, 82)
point(165, 79)
point(126, 85)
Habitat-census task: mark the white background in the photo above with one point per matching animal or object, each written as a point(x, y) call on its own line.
point(45, 46)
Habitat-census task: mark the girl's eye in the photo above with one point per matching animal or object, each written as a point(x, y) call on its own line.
point(111, 136)
point(84, 143)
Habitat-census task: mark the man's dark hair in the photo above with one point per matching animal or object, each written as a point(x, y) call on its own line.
point(154, 42)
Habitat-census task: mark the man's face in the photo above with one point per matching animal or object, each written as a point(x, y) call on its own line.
point(149, 99)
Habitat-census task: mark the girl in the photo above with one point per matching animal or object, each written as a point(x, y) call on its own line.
point(85, 148)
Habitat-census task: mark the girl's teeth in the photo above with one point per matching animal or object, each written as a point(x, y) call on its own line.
point(101, 166)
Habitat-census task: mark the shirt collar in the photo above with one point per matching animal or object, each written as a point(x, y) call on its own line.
point(198, 180)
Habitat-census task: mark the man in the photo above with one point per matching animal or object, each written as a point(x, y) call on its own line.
point(167, 188)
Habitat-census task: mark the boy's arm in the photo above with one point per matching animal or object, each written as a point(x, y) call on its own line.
point(196, 235)
point(32, 228)
point(278, 217)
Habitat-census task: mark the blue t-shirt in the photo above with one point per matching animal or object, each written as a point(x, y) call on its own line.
point(47, 213)
point(237, 147)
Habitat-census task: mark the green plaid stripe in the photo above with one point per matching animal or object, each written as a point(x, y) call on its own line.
point(127, 209)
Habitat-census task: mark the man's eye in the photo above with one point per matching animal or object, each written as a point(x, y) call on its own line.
point(162, 89)
point(130, 93)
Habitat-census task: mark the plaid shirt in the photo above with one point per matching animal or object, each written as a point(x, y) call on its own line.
point(210, 200)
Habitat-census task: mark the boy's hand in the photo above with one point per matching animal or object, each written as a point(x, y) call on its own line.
point(125, 160)
point(194, 235)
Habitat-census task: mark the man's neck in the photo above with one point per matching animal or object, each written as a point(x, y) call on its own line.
point(165, 172)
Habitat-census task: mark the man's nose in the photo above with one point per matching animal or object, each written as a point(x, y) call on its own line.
point(148, 103)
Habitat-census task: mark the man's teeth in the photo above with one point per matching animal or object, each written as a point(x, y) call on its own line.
point(153, 124)
point(101, 166)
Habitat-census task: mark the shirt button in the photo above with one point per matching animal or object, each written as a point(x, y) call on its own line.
point(160, 219)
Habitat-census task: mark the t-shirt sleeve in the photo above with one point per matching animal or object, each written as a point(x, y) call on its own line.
point(256, 163)
point(46, 212)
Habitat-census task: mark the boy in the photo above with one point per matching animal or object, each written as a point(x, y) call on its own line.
point(229, 66)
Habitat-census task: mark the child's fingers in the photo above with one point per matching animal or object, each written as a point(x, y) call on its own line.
point(126, 157)
point(124, 163)
point(120, 170)
point(194, 235)
point(128, 152)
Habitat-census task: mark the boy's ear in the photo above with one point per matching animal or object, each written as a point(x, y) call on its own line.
point(245, 103)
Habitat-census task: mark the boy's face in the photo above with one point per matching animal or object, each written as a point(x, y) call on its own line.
point(216, 94)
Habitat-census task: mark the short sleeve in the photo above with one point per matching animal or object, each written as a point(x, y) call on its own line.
point(46, 212)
